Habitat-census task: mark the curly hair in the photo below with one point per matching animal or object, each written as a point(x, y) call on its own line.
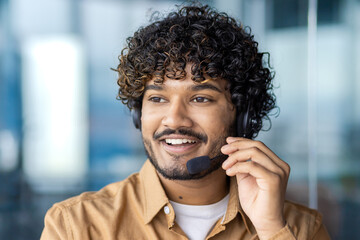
point(214, 43)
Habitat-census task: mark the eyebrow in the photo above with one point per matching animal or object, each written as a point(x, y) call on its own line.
point(153, 87)
point(197, 87)
point(204, 86)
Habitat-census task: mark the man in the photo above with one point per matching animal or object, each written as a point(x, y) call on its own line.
point(197, 87)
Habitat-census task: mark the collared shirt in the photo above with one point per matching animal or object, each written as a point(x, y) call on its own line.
point(138, 208)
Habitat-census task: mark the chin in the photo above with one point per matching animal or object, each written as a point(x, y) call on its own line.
point(181, 172)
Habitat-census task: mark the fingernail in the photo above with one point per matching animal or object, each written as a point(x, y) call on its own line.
point(225, 147)
point(231, 139)
point(224, 165)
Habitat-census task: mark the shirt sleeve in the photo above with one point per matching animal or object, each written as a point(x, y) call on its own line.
point(287, 234)
point(55, 225)
point(321, 234)
point(284, 234)
point(319, 231)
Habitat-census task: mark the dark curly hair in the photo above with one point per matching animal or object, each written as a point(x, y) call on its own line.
point(214, 43)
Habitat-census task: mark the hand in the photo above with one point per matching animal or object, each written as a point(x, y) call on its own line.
point(262, 179)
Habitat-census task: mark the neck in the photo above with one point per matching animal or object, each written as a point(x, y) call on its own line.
point(208, 190)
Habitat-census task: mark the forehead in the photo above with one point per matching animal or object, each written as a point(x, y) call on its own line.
point(187, 83)
point(218, 85)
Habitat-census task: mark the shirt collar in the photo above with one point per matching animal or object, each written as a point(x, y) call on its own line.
point(155, 197)
point(234, 207)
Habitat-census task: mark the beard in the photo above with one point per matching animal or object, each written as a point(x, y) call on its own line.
point(179, 171)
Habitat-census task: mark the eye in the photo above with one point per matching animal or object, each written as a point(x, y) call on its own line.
point(157, 99)
point(201, 100)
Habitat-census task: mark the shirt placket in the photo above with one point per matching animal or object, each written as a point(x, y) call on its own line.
point(219, 227)
point(170, 215)
point(170, 218)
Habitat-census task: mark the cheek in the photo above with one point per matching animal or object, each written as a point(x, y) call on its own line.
point(151, 120)
point(148, 122)
point(218, 121)
point(226, 114)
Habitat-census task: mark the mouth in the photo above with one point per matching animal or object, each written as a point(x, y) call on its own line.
point(179, 145)
point(179, 141)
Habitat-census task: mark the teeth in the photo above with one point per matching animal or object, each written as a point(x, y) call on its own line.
point(179, 141)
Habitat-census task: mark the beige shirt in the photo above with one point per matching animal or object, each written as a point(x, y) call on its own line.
point(138, 208)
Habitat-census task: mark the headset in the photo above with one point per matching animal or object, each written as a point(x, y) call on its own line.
point(136, 117)
point(243, 122)
point(199, 164)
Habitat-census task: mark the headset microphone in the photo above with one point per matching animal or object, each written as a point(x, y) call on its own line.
point(198, 164)
point(202, 163)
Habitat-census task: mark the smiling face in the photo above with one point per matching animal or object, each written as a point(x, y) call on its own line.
point(181, 120)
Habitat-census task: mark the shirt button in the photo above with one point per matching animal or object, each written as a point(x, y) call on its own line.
point(166, 210)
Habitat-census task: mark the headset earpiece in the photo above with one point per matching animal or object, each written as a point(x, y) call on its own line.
point(136, 117)
point(244, 124)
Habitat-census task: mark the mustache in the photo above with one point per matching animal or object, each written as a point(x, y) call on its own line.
point(182, 131)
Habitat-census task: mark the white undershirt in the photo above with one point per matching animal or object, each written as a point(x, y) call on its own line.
point(197, 220)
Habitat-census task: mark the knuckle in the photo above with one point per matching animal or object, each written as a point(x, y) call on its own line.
point(281, 172)
point(287, 168)
point(259, 144)
point(254, 151)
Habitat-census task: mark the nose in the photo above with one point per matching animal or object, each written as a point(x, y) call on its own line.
point(177, 115)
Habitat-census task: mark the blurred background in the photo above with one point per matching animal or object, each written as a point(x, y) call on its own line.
point(63, 132)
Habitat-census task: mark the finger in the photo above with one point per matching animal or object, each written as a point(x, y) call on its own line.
point(235, 144)
point(234, 139)
point(253, 154)
point(241, 143)
point(263, 177)
point(230, 148)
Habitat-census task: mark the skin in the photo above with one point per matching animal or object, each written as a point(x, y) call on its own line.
point(262, 179)
point(261, 175)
